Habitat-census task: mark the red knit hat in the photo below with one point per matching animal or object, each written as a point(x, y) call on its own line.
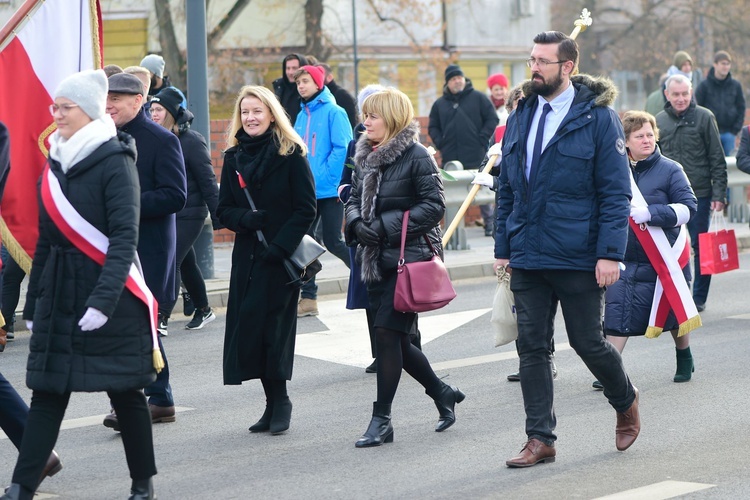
point(497, 79)
point(317, 73)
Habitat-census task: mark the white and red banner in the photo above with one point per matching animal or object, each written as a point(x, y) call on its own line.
point(43, 43)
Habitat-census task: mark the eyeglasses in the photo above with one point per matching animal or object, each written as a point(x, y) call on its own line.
point(542, 63)
point(63, 109)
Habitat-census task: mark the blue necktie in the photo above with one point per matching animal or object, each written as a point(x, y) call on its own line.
point(538, 143)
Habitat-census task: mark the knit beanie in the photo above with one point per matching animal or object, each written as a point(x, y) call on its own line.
point(451, 71)
point(317, 73)
point(88, 89)
point(154, 63)
point(680, 57)
point(366, 92)
point(497, 79)
point(171, 99)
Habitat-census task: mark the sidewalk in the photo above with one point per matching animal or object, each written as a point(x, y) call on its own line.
point(475, 262)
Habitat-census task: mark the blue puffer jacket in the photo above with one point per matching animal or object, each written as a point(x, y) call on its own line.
point(326, 130)
point(577, 210)
point(661, 181)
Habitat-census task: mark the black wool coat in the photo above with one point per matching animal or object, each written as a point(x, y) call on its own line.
point(161, 173)
point(64, 282)
point(202, 190)
point(261, 321)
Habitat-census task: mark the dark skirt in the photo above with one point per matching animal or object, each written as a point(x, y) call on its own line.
point(381, 303)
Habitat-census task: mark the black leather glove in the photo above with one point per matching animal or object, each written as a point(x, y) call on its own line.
point(273, 254)
point(254, 220)
point(366, 235)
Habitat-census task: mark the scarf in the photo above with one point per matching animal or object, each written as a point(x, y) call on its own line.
point(497, 102)
point(68, 152)
point(254, 155)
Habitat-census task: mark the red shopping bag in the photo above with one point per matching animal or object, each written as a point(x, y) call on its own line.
point(718, 251)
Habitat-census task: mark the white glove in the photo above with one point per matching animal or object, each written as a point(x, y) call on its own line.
point(640, 214)
point(484, 179)
point(30, 325)
point(92, 320)
point(496, 149)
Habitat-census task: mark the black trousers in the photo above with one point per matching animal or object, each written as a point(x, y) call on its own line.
point(43, 426)
point(537, 294)
point(13, 412)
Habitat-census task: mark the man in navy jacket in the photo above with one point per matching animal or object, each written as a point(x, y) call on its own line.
point(161, 172)
point(562, 222)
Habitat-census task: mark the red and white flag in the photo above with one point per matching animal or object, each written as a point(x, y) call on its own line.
point(44, 42)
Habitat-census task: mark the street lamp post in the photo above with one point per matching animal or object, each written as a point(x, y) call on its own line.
point(354, 47)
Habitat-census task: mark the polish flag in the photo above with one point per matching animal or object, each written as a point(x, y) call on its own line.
point(44, 42)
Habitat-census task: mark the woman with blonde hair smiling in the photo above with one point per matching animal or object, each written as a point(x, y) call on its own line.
point(266, 162)
point(395, 173)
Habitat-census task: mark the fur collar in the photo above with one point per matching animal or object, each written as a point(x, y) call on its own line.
point(367, 158)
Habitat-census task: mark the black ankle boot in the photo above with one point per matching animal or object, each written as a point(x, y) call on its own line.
point(281, 415)
point(380, 429)
point(685, 366)
point(142, 489)
point(446, 398)
point(17, 492)
point(264, 424)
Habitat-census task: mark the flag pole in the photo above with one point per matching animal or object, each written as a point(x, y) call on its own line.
point(18, 18)
point(580, 24)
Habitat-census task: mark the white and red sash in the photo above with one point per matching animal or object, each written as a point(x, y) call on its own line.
point(94, 244)
point(672, 291)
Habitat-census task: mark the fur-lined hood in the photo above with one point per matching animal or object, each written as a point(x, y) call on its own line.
point(366, 158)
point(605, 90)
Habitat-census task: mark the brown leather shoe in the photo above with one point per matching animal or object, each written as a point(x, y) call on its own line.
point(628, 425)
point(54, 465)
point(161, 414)
point(533, 452)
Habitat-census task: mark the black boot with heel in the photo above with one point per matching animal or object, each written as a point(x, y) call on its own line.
point(142, 489)
point(380, 430)
point(264, 424)
point(685, 366)
point(446, 398)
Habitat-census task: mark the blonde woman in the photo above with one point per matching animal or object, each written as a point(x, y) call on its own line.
point(395, 173)
point(267, 155)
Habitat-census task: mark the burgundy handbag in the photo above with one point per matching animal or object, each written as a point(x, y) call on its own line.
point(421, 286)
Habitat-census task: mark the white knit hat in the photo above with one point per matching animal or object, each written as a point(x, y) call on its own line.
point(88, 89)
point(154, 63)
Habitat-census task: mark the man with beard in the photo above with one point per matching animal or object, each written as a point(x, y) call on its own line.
point(285, 87)
point(155, 64)
point(562, 215)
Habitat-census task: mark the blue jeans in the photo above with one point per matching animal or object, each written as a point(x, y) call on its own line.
point(699, 224)
point(13, 412)
point(331, 217)
point(537, 294)
point(727, 142)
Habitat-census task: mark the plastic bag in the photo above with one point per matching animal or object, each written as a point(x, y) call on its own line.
point(503, 317)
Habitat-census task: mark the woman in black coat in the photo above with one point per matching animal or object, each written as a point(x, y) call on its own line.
point(202, 197)
point(671, 204)
point(267, 156)
point(90, 333)
point(395, 173)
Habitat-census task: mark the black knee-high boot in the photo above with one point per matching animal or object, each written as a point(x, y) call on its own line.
point(380, 429)
point(281, 414)
point(264, 424)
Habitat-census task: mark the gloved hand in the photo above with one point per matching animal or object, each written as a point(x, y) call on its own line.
point(273, 254)
point(366, 235)
point(484, 179)
point(640, 214)
point(30, 325)
point(496, 149)
point(92, 319)
point(254, 220)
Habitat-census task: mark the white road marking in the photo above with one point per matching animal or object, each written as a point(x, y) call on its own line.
point(489, 358)
point(659, 491)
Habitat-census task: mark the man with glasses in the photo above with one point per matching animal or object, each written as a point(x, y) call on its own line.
point(562, 213)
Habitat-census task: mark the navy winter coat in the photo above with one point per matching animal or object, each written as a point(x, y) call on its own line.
point(161, 172)
point(628, 302)
point(577, 210)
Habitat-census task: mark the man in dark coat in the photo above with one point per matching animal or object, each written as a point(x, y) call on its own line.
point(161, 172)
point(462, 121)
point(285, 87)
point(562, 219)
point(688, 135)
point(342, 96)
point(723, 95)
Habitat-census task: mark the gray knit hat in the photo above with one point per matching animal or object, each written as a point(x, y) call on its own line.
point(88, 89)
point(154, 63)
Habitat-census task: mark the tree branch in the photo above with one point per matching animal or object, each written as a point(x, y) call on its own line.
point(226, 22)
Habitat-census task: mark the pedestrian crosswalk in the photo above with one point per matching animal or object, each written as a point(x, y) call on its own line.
point(659, 491)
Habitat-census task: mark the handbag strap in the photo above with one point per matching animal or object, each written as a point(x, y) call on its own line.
point(243, 186)
point(403, 239)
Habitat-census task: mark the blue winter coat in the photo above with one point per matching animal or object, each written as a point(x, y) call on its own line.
point(161, 173)
point(326, 130)
point(628, 302)
point(577, 210)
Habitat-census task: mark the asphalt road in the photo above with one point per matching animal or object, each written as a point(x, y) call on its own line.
point(693, 440)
